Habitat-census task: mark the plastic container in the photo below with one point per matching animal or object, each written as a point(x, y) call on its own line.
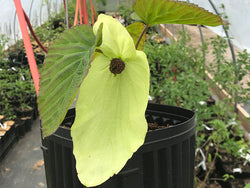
point(6, 141)
point(165, 160)
point(20, 128)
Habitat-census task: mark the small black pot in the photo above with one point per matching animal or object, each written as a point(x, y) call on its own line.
point(25, 113)
point(20, 128)
point(27, 123)
point(166, 159)
point(7, 140)
point(33, 104)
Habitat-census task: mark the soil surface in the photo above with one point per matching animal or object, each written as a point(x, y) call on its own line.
point(154, 126)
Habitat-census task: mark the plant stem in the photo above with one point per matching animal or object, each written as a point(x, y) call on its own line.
point(206, 143)
point(212, 166)
point(142, 33)
point(33, 33)
point(217, 179)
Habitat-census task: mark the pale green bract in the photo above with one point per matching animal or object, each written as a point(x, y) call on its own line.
point(110, 122)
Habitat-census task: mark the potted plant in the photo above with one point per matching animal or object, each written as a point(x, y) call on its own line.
point(24, 92)
point(106, 68)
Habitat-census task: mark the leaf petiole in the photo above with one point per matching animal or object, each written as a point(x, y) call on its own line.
point(142, 33)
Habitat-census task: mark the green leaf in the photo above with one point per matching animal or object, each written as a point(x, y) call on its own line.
point(247, 186)
point(174, 12)
point(65, 66)
point(135, 31)
point(135, 17)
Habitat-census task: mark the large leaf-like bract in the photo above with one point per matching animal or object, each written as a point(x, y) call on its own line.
point(64, 69)
point(110, 122)
point(174, 12)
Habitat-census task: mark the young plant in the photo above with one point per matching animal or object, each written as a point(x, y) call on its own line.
point(7, 78)
point(3, 42)
point(228, 74)
point(103, 64)
point(225, 135)
point(125, 13)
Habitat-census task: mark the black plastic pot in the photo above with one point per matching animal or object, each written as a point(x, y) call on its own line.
point(20, 128)
point(7, 140)
point(25, 113)
point(165, 160)
point(27, 123)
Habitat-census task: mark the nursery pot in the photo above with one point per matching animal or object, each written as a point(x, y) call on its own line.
point(165, 160)
point(6, 140)
point(24, 113)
